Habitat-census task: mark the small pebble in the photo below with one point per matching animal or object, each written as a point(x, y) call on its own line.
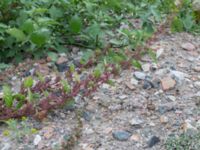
point(121, 135)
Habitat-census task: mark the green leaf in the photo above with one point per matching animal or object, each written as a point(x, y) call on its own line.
point(16, 33)
point(55, 12)
point(28, 26)
point(7, 96)
point(188, 22)
point(28, 82)
point(40, 37)
point(75, 24)
point(94, 30)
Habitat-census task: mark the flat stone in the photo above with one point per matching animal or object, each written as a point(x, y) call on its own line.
point(164, 119)
point(171, 97)
point(188, 46)
point(197, 85)
point(6, 146)
point(196, 68)
point(121, 135)
point(168, 83)
point(139, 75)
point(134, 81)
point(37, 140)
point(136, 137)
point(179, 75)
point(136, 121)
point(130, 86)
point(159, 52)
point(105, 86)
point(122, 97)
point(146, 67)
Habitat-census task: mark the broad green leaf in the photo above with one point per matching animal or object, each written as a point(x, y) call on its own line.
point(28, 26)
point(16, 33)
point(55, 12)
point(188, 22)
point(40, 37)
point(75, 24)
point(7, 96)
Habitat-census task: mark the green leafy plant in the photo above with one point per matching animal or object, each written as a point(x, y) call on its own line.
point(184, 141)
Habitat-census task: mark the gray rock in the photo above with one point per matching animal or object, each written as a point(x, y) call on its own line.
point(121, 135)
point(147, 84)
point(87, 115)
point(163, 109)
point(197, 85)
point(179, 75)
point(134, 81)
point(153, 141)
point(139, 75)
point(122, 97)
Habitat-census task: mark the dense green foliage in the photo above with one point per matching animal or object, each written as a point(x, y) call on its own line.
point(33, 28)
point(30, 28)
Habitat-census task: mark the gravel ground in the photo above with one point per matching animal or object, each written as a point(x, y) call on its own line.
point(140, 111)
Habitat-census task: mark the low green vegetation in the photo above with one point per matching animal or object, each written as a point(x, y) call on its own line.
point(184, 142)
point(38, 28)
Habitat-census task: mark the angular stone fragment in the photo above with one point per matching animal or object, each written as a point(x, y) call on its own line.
point(168, 83)
point(188, 46)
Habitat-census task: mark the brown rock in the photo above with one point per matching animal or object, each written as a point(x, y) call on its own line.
point(135, 137)
point(168, 83)
point(130, 86)
point(61, 60)
point(164, 119)
point(188, 46)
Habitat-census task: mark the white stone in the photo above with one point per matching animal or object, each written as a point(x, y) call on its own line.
point(136, 121)
point(134, 81)
point(171, 97)
point(122, 97)
point(6, 146)
point(139, 75)
point(105, 86)
point(37, 139)
point(146, 67)
point(159, 52)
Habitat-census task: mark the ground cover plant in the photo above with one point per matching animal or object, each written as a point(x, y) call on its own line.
point(112, 35)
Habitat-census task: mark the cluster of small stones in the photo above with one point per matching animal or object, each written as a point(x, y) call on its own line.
point(141, 110)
